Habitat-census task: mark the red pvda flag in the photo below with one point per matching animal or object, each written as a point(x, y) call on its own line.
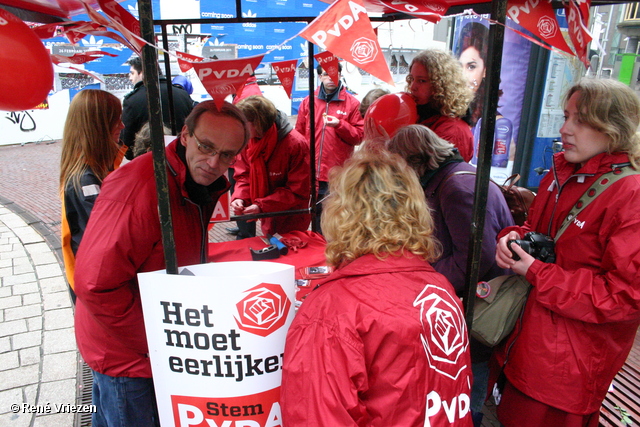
point(578, 18)
point(429, 10)
point(538, 17)
point(344, 29)
point(186, 60)
point(224, 77)
point(329, 64)
point(286, 71)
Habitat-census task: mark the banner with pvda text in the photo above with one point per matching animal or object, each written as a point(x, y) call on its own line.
point(216, 335)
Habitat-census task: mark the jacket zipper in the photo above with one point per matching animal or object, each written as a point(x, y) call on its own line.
point(203, 230)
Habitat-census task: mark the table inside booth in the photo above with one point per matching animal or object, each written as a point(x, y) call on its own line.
point(307, 251)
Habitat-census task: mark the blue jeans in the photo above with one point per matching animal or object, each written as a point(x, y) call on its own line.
point(124, 402)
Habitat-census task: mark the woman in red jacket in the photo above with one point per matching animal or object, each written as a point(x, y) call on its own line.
point(441, 92)
point(583, 311)
point(272, 173)
point(382, 341)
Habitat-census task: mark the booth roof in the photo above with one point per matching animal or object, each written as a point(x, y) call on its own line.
point(65, 9)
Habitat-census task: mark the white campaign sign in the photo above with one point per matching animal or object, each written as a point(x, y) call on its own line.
point(216, 342)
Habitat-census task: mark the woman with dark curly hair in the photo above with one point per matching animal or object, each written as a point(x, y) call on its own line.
point(442, 94)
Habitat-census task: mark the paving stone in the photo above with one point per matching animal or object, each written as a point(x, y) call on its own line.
point(12, 221)
point(12, 301)
point(59, 366)
point(22, 312)
point(60, 392)
point(19, 377)
point(5, 345)
point(57, 300)
point(9, 360)
point(16, 253)
point(33, 298)
point(30, 393)
point(5, 263)
point(53, 284)
point(18, 279)
point(59, 341)
point(29, 356)
point(6, 291)
point(48, 270)
point(8, 328)
point(34, 323)
point(6, 272)
point(37, 248)
point(54, 420)
point(9, 397)
point(16, 420)
point(58, 319)
point(44, 258)
point(23, 268)
point(27, 235)
point(26, 288)
point(27, 339)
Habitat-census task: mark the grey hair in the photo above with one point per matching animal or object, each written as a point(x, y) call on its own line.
point(419, 140)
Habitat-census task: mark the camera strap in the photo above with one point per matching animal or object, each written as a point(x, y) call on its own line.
point(602, 183)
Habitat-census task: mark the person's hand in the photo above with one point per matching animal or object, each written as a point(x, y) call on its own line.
point(252, 209)
point(238, 207)
point(374, 131)
point(504, 256)
point(331, 121)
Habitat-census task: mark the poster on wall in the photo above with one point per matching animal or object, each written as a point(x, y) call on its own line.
point(470, 45)
point(216, 335)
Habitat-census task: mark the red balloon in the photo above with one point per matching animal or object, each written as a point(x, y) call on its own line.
point(26, 74)
point(393, 111)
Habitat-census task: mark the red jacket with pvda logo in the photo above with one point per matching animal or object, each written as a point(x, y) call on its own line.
point(288, 177)
point(333, 145)
point(123, 238)
point(380, 343)
point(583, 311)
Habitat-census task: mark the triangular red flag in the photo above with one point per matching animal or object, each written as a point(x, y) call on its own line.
point(286, 70)
point(186, 60)
point(540, 19)
point(577, 17)
point(345, 29)
point(329, 63)
point(431, 11)
point(123, 21)
point(224, 77)
point(79, 58)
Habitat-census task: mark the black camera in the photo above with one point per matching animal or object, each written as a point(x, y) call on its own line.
point(538, 245)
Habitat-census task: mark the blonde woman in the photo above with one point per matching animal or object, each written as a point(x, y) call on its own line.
point(441, 91)
point(583, 310)
point(90, 150)
point(382, 341)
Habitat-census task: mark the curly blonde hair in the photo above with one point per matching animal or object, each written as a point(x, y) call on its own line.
point(376, 205)
point(451, 93)
point(612, 108)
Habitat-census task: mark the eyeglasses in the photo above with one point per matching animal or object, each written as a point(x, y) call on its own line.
point(225, 157)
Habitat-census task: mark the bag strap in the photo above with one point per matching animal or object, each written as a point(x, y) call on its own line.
point(602, 183)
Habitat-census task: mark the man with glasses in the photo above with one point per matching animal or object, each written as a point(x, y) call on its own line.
point(123, 238)
point(339, 128)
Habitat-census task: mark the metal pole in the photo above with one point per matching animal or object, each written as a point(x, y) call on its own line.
point(312, 138)
point(485, 150)
point(150, 70)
